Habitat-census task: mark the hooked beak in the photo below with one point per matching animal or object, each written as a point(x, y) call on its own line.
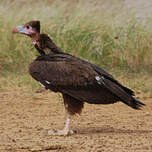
point(18, 29)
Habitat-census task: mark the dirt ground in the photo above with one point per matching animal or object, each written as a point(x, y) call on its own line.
point(25, 116)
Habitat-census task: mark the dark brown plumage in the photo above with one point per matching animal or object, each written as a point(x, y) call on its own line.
point(79, 81)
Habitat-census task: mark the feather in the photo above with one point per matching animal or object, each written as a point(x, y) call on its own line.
point(122, 94)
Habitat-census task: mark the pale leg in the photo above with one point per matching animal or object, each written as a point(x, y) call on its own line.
point(65, 131)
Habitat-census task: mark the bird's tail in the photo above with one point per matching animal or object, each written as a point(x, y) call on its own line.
point(124, 94)
point(135, 104)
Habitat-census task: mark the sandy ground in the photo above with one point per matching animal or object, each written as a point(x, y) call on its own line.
point(24, 117)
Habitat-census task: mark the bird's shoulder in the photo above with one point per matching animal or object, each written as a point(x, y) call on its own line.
point(61, 64)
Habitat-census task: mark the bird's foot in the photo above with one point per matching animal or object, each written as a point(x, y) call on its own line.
point(63, 132)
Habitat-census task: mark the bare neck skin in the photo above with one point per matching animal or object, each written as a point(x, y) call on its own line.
point(35, 38)
point(44, 44)
point(36, 42)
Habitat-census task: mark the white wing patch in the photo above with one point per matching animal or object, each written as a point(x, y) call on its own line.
point(100, 79)
point(97, 78)
point(41, 84)
point(47, 82)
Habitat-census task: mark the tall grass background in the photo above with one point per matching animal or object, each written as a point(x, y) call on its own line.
point(108, 34)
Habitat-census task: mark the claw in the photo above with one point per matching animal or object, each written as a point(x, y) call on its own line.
point(64, 132)
point(60, 132)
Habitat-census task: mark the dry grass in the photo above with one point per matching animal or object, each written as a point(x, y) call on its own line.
point(92, 30)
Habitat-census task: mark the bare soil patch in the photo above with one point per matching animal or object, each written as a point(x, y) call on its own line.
point(25, 116)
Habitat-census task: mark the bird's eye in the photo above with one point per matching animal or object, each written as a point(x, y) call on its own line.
point(27, 27)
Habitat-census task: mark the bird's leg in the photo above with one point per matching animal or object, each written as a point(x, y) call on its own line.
point(65, 131)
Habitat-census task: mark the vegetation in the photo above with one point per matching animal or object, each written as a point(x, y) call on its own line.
point(120, 44)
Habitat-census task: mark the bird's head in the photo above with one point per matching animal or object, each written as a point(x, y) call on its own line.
point(40, 41)
point(31, 28)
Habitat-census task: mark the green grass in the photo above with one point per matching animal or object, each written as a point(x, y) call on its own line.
point(120, 44)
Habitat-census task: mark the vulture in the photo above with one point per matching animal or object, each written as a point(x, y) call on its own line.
point(77, 80)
